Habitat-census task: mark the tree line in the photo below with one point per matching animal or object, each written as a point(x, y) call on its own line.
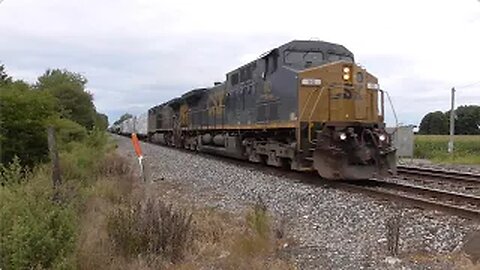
point(58, 98)
point(467, 121)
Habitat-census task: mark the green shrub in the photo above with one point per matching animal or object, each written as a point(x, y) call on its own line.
point(12, 173)
point(37, 232)
point(68, 131)
point(257, 240)
point(34, 231)
point(24, 117)
point(258, 219)
point(82, 161)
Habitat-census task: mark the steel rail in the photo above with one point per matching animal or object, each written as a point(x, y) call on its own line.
point(439, 174)
point(455, 203)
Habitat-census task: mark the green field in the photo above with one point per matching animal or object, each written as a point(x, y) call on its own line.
point(434, 147)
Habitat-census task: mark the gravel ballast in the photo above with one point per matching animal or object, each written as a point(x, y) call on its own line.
point(330, 228)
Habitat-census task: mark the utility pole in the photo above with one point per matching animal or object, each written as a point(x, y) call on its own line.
point(452, 123)
point(56, 177)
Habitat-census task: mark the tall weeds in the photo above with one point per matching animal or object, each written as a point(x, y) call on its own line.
point(34, 231)
point(151, 228)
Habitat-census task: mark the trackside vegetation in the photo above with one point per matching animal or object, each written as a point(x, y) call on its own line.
point(434, 147)
point(432, 139)
point(467, 121)
point(37, 232)
point(101, 216)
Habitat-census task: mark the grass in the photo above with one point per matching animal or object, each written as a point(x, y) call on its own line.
point(149, 233)
point(35, 230)
point(434, 147)
point(108, 219)
point(151, 228)
point(126, 225)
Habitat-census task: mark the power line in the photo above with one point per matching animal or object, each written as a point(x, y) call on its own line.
point(468, 85)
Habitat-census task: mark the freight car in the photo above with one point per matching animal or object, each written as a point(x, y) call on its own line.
point(305, 105)
point(136, 124)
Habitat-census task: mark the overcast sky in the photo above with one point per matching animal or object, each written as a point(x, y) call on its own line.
point(138, 53)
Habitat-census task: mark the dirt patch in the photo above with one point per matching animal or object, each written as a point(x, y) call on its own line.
point(472, 247)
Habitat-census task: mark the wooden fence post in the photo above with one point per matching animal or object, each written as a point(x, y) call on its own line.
point(52, 148)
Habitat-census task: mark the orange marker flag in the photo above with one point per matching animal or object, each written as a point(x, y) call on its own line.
point(136, 145)
point(138, 151)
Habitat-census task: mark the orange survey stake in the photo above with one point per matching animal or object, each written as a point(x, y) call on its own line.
point(136, 145)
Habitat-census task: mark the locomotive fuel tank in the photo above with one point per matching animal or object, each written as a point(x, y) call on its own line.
point(219, 140)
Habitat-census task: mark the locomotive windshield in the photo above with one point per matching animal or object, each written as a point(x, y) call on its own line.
point(296, 57)
point(312, 58)
point(336, 57)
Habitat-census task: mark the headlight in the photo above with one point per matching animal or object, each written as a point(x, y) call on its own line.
point(311, 82)
point(382, 137)
point(346, 73)
point(343, 136)
point(374, 86)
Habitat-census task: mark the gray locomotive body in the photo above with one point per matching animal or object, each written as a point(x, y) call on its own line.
point(275, 109)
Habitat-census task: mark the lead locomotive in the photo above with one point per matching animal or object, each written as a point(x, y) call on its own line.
point(305, 105)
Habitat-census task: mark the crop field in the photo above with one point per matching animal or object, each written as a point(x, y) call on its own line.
point(434, 147)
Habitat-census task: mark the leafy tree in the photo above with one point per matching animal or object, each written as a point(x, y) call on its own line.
point(467, 120)
point(4, 78)
point(124, 117)
point(23, 119)
point(68, 131)
point(25, 115)
point(434, 123)
point(69, 89)
point(101, 121)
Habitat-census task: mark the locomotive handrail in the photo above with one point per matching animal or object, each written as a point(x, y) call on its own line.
point(311, 115)
point(305, 108)
point(393, 108)
point(315, 104)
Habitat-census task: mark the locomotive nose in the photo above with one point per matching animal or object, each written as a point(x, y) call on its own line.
point(337, 94)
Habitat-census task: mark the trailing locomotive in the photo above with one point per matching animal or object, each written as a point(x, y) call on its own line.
point(305, 105)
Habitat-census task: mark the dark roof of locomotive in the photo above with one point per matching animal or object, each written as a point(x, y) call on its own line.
point(316, 45)
point(294, 45)
point(304, 45)
point(194, 92)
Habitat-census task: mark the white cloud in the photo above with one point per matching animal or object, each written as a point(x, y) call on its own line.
point(138, 53)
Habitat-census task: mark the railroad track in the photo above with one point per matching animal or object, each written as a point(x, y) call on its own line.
point(461, 182)
point(439, 174)
point(415, 192)
point(457, 203)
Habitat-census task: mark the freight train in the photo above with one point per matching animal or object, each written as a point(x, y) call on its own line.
point(305, 105)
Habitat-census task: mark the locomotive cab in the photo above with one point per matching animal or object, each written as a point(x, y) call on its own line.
point(342, 114)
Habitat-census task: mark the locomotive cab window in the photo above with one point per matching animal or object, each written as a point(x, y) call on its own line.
point(234, 79)
point(274, 62)
point(299, 57)
point(271, 63)
point(246, 73)
point(337, 57)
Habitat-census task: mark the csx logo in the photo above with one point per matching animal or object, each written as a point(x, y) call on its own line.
point(347, 94)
